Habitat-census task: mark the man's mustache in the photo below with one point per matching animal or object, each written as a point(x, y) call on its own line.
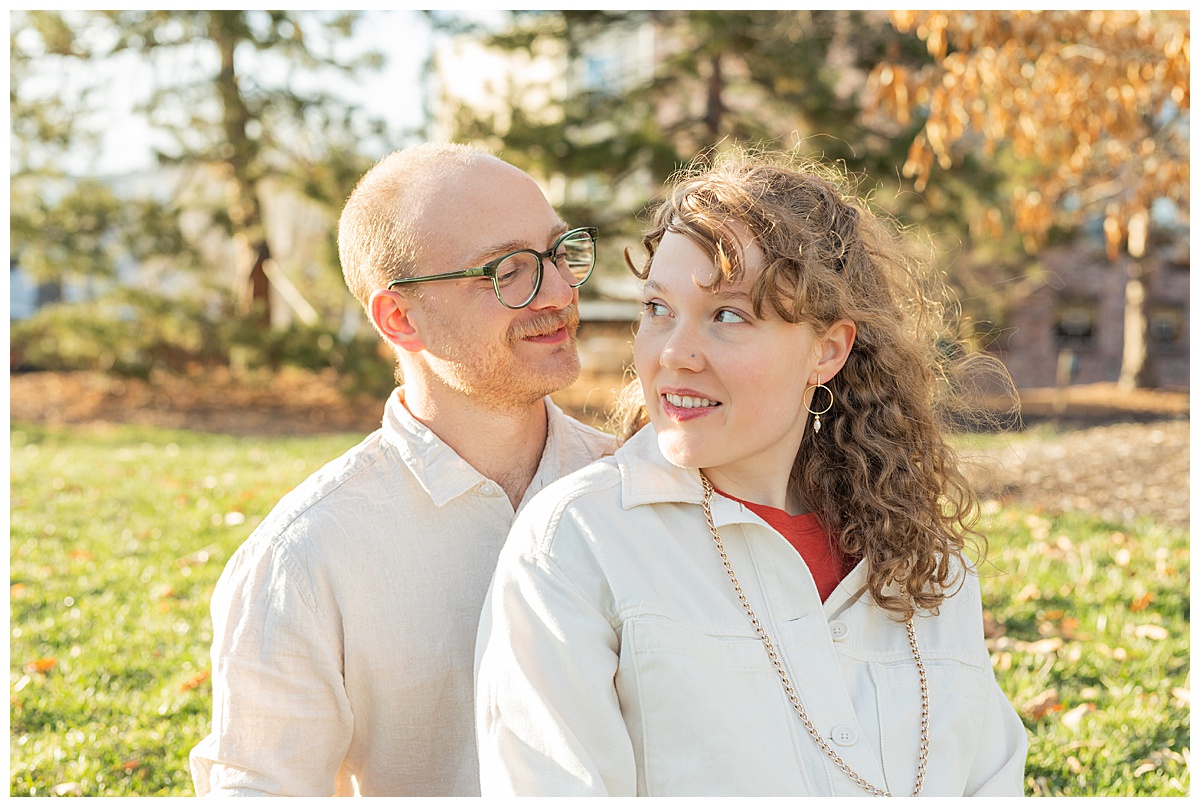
point(546, 323)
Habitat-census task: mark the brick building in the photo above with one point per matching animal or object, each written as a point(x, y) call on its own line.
point(1076, 311)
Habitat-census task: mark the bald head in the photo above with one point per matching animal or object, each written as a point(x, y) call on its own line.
point(398, 208)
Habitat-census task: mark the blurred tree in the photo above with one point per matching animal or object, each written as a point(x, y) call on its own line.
point(233, 92)
point(638, 94)
point(1094, 104)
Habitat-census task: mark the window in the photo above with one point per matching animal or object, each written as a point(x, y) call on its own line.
point(1075, 322)
point(1164, 325)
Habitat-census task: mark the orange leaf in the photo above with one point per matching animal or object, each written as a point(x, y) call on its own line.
point(1142, 602)
point(131, 764)
point(1039, 706)
point(41, 665)
point(1156, 632)
point(194, 681)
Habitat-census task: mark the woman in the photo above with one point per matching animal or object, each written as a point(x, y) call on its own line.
point(764, 591)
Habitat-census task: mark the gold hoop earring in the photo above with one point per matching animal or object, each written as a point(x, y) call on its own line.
point(817, 415)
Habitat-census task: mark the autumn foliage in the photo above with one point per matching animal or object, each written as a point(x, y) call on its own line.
point(1097, 100)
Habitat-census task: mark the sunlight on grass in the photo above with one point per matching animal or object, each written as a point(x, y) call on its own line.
point(119, 534)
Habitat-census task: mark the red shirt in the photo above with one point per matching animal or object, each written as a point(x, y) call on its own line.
point(806, 536)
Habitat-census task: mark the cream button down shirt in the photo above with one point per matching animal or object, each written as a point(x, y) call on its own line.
point(344, 627)
point(615, 658)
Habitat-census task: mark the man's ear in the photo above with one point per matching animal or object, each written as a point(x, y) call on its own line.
point(835, 348)
point(391, 311)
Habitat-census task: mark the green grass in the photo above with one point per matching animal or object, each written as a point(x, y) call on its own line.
point(117, 539)
point(119, 534)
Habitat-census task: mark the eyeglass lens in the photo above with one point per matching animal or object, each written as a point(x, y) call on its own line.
point(517, 275)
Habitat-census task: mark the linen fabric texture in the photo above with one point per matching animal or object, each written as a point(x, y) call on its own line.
point(615, 658)
point(344, 627)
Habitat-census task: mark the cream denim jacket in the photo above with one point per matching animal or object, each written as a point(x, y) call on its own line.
point(615, 658)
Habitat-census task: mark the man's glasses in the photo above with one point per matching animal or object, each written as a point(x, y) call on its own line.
point(517, 276)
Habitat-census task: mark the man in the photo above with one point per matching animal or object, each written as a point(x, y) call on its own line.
point(344, 628)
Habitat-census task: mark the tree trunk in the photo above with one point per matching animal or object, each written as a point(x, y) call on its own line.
point(715, 111)
point(1135, 362)
point(245, 209)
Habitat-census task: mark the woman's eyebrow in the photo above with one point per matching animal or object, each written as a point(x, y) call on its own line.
point(722, 293)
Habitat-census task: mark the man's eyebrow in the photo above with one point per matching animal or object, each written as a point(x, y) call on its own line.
point(504, 247)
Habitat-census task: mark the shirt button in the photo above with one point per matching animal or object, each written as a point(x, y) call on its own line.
point(844, 735)
point(838, 630)
point(488, 489)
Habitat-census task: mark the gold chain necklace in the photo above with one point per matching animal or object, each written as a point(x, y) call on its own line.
point(791, 691)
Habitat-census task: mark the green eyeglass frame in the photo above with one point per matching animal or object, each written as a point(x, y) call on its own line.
point(576, 270)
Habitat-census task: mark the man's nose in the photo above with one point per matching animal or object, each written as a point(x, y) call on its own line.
point(555, 291)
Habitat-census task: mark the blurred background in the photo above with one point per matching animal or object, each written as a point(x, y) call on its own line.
point(183, 349)
point(175, 177)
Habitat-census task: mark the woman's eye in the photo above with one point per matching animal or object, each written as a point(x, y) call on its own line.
point(725, 315)
point(655, 309)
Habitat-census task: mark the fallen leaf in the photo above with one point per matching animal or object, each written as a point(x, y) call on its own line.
point(131, 764)
point(1068, 627)
point(42, 665)
point(194, 681)
point(1142, 602)
point(1157, 632)
point(1074, 717)
point(1042, 647)
point(1055, 614)
point(991, 626)
point(1030, 592)
point(1036, 708)
point(199, 557)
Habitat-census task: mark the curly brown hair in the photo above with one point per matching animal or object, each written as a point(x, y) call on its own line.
point(881, 477)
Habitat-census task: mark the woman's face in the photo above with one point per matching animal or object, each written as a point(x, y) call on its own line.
point(724, 389)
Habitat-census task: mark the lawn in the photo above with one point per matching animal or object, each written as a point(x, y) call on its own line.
point(119, 534)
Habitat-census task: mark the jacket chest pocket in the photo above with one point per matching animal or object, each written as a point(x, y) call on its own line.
point(957, 701)
point(706, 712)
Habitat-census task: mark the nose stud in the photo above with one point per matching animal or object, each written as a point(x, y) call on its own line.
point(693, 355)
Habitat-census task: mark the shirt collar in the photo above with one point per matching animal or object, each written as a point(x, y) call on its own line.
point(443, 473)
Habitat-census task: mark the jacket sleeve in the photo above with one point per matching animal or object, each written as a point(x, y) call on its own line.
point(999, 765)
point(547, 717)
point(282, 722)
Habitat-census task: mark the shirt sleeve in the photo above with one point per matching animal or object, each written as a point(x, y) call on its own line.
point(999, 765)
point(548, 720)
point(282, 722)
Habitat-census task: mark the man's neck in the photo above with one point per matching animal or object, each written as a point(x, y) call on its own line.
point(505, 445)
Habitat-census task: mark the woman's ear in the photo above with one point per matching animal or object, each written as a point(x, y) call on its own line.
point(835, 348)
point(392, 314)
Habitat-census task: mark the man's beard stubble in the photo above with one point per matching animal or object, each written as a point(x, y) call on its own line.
point(493, 379)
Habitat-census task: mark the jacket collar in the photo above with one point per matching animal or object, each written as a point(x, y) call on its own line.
point(647, 477)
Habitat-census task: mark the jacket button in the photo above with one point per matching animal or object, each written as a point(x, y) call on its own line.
point(838, 630)
point(844, 735)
